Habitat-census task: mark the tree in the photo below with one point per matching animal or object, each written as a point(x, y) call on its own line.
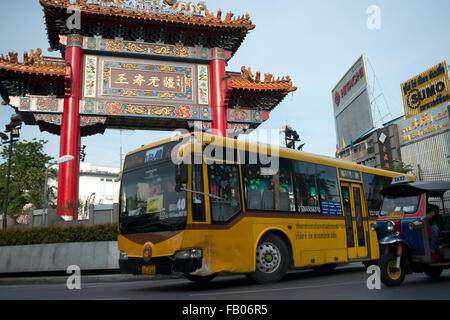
point(27, 179)
point(401, 168)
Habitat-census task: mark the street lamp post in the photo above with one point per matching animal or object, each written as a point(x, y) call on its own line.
point(61, 160)
point(13, 128)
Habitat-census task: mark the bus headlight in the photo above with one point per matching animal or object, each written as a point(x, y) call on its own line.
point(123, 256)
point(189, 254)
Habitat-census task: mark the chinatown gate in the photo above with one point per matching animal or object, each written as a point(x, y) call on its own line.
point(147, 64)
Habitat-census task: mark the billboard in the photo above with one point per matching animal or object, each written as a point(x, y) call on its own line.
point(426, 90)
point(425, 125)
point(351, 105)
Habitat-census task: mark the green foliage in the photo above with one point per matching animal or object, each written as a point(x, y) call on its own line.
point(56, 234)
point(401, 168)
point(28, 163)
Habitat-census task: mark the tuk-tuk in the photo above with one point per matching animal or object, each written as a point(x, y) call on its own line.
point(404, 231)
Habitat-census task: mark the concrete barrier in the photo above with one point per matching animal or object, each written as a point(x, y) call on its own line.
point(58, 256)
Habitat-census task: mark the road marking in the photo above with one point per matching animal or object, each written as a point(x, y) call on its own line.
point(277, 289)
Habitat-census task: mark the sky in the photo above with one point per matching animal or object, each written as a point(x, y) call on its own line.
point(313, 42)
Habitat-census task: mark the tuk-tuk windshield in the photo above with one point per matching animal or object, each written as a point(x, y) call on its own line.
point(394, 203)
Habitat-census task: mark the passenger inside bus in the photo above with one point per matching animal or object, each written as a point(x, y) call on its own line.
point(267, 190)
point(224, 183)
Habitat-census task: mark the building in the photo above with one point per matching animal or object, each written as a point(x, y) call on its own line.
point(98, 185)
point(378, 149)
point(425, 143)
point(425, 131)
point(420, 138)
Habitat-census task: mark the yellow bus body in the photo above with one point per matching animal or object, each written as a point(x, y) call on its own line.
point(313, 240)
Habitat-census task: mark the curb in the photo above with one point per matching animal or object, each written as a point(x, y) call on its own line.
point(84, 279)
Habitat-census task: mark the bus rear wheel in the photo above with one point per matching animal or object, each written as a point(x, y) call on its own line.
point(272, 260)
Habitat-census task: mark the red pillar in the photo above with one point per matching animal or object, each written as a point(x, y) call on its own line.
point(70, 133)
point(219, 121)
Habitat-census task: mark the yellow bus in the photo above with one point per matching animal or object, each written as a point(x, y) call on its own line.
point(200, 205)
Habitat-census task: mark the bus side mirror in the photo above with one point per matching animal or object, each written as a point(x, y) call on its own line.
point(181, 176)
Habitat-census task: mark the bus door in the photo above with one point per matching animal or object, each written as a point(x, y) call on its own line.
point(355, 220)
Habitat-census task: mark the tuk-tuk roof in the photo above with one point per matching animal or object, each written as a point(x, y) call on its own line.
point(433, 189)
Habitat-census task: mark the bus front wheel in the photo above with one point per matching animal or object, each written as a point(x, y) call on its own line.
point(272, 260)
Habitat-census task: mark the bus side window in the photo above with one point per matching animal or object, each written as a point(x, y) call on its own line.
point(198, 200)
point(285, 186)
point(317, 189)
point(224, 183)
point(305, 177)
point(327, 181)
point(268, 190)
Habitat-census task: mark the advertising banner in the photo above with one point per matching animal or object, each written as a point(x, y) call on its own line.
point(425, 91)
point(428, 123)
point(351, 105)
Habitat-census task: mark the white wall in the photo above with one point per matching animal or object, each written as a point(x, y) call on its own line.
point(99, 180)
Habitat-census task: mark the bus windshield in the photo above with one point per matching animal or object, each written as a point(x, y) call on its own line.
point(149, 201)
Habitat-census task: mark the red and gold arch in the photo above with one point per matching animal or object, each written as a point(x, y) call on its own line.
point(143, 64)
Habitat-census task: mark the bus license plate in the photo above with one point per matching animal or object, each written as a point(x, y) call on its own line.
point(149, 270)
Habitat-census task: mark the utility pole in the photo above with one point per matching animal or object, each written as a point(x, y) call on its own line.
point(13, 129)
point(121, 159)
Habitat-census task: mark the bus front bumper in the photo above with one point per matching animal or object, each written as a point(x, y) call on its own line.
point(160, 265)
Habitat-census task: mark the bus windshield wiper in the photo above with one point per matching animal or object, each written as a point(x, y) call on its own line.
point(202, 193)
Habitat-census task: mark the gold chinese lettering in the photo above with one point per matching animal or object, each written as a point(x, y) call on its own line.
point(139, 80)
point(169, 82)
point(121, 79)
point(153, 81)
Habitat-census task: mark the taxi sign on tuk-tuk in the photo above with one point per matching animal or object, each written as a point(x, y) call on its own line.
point(400, 179)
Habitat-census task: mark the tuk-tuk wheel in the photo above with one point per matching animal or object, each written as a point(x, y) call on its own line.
point(390, 275)
point(433, 272)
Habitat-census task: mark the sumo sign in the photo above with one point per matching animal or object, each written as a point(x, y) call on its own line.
point(425, 91)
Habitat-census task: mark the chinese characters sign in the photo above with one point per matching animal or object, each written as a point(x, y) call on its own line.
point(113, 79)
point(124, 79)
point(139, 80)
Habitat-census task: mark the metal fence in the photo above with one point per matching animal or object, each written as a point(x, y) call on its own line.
point(98, 214)
point(437, 176)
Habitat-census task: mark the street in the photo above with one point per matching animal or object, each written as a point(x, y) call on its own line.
point(345, 283)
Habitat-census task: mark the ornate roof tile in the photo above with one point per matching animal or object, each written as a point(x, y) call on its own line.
point(247, 80)
point(180, 12)
point(32, 63)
